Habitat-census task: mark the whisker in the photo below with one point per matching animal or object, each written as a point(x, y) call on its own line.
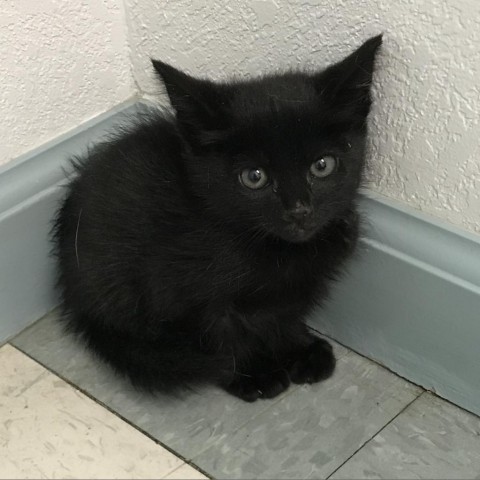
point(234, 363)
point(76, 238)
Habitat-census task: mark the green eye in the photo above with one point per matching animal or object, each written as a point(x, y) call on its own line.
point(323, 166)
point(253, 178)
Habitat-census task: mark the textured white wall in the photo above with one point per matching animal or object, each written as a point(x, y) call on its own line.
point(61, 62)
point(425, 124)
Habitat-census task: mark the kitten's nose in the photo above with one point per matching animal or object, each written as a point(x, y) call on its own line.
point(300, 212)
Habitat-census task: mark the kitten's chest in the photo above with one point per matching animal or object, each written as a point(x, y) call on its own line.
point(273, 271)
point(284, 272)
point(305, 269)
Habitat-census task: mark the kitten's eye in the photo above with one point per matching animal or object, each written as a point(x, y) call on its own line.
point(323, 166)
point(253, 178)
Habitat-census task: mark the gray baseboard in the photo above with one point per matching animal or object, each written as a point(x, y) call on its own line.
point(411, 301)
point(411, 298)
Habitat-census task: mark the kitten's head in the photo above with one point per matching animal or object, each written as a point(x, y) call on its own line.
point(282, 154)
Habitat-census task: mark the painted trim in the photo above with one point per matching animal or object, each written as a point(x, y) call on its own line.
point(411, 298)
point(41, 168)
point(436, 243)
point(411, 301)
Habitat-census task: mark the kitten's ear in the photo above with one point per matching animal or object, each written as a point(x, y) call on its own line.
point(346, 85)
point(200, 104)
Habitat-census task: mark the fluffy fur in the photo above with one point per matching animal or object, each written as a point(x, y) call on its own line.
point(175, 273)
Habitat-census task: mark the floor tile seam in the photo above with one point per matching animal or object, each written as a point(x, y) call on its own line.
point(45, 372)
point(189, 461)
point(275, 402)
point(115, 413)
point(240, 449)
point(194, 466)
point(31, 384)
point(380, 430)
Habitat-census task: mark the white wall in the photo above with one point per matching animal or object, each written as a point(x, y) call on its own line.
point(425, 124)
point(61, 62)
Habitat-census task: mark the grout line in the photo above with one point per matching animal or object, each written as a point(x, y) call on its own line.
point(129, 422)
point(190, 465)
point(31, 384)
point(376, 433)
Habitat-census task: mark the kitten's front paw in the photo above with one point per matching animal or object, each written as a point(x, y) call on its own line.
point(251, 388)
point(313, 364)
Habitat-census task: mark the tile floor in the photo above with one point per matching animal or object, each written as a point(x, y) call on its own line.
point(65, 415)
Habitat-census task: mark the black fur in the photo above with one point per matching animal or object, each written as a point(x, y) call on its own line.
point(175, 273)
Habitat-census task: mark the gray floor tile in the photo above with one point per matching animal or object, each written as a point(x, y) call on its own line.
point(431, 439)
point(314, 430)
point(189, 425)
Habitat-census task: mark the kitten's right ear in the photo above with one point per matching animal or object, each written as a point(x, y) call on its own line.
point(199, 104)
point(347, 83)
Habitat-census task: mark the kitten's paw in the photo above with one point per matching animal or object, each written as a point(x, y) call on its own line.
point(272, 384)
point(243, 388)
point(251, 388)
point(314, 364)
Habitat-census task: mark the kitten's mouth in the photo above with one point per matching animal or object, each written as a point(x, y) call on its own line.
point(298, 233)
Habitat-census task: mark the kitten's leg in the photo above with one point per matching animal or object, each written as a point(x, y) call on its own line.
point(312, 363)
point(268, 352)
point(249, 373)
point(309, 363)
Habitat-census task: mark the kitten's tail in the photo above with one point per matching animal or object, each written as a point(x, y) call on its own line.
point(165, 364)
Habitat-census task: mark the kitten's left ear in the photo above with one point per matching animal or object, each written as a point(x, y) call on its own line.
point(200, 104)
point(347, 83)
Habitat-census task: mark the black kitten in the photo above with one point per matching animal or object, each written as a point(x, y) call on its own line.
point(192, 248)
